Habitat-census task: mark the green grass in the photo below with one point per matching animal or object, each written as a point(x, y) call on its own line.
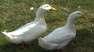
point(15, 13)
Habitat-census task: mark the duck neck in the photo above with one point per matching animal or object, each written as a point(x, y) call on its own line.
point(40, 15)
point(70, 22)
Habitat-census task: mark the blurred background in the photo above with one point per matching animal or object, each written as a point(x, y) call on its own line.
point(16, 13)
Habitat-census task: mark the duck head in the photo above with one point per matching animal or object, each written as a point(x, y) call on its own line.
point(43, 9)
point(47, 7)
point(76, 14)
point(73, 16)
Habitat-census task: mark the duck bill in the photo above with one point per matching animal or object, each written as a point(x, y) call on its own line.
point(53, 8)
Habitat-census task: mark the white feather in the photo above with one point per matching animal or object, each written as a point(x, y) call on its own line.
point(61, 36)
point(31, 30)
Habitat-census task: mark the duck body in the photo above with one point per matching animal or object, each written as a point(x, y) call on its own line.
point(27, 32)
point(31, 30)
point(61, 36)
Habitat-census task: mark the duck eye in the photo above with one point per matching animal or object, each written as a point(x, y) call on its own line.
point(47, 6)
point(78, 13)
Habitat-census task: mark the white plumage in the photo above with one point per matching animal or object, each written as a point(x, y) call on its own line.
point(32, 30)
point(61, 36)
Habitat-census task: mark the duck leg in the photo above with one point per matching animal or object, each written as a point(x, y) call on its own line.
point(23, 45)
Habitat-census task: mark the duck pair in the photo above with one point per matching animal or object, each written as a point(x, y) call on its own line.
point(57, 39)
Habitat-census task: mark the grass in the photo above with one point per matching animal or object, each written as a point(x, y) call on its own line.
point(15, 13)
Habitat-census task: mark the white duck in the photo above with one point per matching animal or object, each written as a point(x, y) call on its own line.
point(31, 30)
point(60, 37)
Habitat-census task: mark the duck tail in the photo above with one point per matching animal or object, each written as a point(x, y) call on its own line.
point(4, 32)
point(41, 42)
point(44, 44)
point(7, 34)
